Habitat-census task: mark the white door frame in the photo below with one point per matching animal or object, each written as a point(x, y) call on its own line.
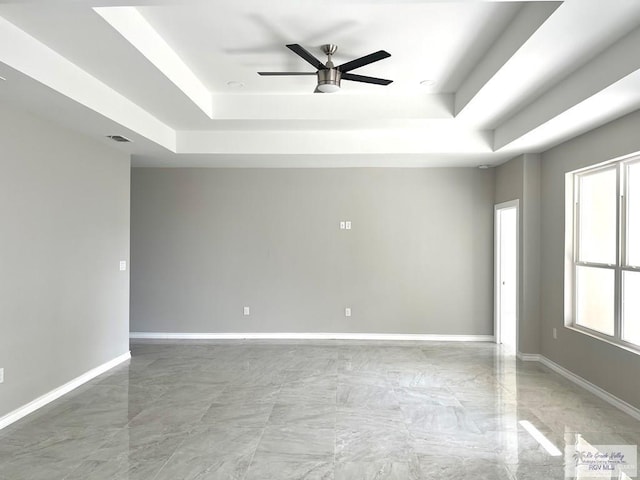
point(496, 272)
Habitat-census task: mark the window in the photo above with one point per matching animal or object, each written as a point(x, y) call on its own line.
point(605, 266)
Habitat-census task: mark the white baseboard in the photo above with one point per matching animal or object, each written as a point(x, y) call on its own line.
point(311, 336)
point(56, 393)
point(529, 357)
point(578, 380)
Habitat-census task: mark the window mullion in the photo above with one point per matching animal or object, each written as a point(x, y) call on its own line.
point(596, 265)
point(621, 253)
point(623, 216)
point(576, 219)
point(576, 243)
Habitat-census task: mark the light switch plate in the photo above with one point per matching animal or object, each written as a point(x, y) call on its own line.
point(347, 225)
point(246, 311)
point(347, 312)
point(1, 375)
point(342, 225)
point(123, 265)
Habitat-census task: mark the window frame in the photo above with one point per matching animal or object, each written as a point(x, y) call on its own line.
point(572, 250)
point(624, 258)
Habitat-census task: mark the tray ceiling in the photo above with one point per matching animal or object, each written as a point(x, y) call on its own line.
point(475, 82)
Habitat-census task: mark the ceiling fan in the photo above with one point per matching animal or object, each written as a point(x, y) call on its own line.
point(329, 75)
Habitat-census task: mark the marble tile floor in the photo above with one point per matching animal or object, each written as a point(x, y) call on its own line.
point(251, 410)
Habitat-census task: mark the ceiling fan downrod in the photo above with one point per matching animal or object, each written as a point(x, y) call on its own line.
point(329, 78)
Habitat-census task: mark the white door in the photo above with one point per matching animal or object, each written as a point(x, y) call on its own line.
point(506, 269)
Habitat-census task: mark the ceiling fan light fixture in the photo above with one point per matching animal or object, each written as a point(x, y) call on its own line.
point(329, 80)
point(328, 88)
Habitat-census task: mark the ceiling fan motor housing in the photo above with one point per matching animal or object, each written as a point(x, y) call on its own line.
point(329, 79)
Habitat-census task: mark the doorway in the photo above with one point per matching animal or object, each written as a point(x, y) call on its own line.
point(506, 274)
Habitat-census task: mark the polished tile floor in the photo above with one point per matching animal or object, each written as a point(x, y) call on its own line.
point(311, 410)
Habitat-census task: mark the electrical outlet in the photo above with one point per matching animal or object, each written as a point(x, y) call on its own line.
point(555, 333)
point(246, 311)
point(347, 312)
point(347, 225)
point(1, 375)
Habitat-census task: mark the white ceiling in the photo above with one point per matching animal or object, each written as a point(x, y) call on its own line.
point(508, 77)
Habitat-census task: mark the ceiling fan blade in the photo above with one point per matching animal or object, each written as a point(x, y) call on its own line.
point(282, 74)
point(362, 61)
point(301, 52)
point(365, 79)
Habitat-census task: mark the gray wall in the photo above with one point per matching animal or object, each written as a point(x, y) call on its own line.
point(519, 179)
point(64, 205)
point(531, 255)
point(610, 367)
point(206, 242)
point(510, 180)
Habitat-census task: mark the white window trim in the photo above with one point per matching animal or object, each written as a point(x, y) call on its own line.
point(571, 251)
